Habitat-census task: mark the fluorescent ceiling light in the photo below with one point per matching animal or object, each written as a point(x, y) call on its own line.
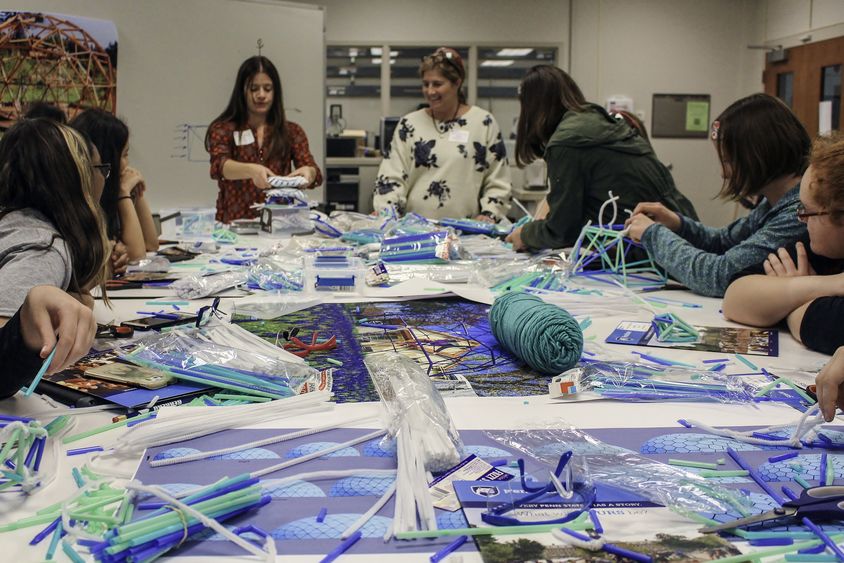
point(378, 61)
point(503, 62)
point(375, 51)
point(514, 52)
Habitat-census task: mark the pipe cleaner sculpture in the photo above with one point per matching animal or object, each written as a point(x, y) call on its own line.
point(609, 245)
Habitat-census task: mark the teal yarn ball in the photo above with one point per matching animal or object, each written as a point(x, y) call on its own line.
point(544, 336)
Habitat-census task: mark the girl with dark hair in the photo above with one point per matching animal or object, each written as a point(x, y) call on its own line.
point(449, 159)
point(127, 213)
point(253, 140)
point(588, 153)
point(764, 150)
point(806, 291)
point(51, 227)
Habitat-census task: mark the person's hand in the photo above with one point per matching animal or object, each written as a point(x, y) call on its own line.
point(637, 225)
point(781, 264)
point(307, 172)
point(259, 173)
point(830, 385)
point(47, 313)
point(515, 238)
point(485, 218)
point(119, 258)
point(658, 213)
point(131, 181)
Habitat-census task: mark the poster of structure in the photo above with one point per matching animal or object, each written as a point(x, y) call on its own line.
point(66, 61)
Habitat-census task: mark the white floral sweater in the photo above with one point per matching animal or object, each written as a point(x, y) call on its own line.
point(438, 169)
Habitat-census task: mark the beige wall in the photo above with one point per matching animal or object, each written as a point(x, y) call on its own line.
point(794, 22)
point(641, 47)
point(629, 47)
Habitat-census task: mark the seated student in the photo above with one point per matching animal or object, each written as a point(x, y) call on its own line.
point(127, 213)
point(763, 149)
point(51, 228)
point(809, 296)
point(633, 121)
point(253, 140)
point(48, 318)
point(588, 153)
point(449, 159)
point(43, 109)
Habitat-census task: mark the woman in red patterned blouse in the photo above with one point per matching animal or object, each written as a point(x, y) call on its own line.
point(252, 140)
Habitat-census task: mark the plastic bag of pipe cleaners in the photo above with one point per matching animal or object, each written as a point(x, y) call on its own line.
point(193, 356)
point(409, 396)
point(434, 247)
point(517, 273)
point(197, 287)
point(273, 275)
point(636, 382)
point(620, 468)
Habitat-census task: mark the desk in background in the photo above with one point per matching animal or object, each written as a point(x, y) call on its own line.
point(350, 181)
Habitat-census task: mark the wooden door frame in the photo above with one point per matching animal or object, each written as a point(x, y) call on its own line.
point(806, 62)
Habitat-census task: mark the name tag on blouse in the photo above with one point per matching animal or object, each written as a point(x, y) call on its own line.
point(244, 137)
point(458, 136)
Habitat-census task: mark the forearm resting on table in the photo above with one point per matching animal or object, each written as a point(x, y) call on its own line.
point(767, 300)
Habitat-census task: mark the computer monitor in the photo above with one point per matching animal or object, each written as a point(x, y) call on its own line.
point(385, 133)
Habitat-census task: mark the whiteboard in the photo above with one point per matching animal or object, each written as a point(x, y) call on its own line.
point(176, 65)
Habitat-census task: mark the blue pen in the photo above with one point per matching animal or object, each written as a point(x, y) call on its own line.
point(449, 549)
point(321, 516)
point(342, 548)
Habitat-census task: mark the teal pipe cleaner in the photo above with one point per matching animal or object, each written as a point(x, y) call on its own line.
point(544, 336)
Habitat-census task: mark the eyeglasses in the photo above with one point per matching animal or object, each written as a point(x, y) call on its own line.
point(803, 215)
point(104, 169)
point(442, 56)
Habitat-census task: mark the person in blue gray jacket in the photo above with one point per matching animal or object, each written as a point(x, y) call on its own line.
point(764, 150)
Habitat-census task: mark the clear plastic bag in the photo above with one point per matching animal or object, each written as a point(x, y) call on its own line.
point(545, 272)
point(191, 354)
point(409, 398)
point(436, 246)
point(623, 469)
point(197, 287)
point(154, 264)
point(453, 272)
point(637, 382)
point(273, 275)
point(482, 246)
point(267, 307)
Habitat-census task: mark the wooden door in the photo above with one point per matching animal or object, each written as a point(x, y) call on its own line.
point(812, 73)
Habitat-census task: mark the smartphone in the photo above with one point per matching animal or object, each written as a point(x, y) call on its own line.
point(156, 323)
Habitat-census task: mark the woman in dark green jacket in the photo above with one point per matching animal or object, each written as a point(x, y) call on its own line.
point(588, 153)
